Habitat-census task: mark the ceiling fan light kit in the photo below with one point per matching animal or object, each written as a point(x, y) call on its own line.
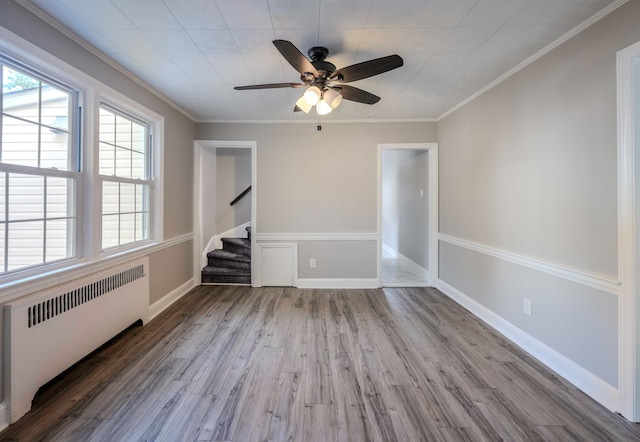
point(324, 83)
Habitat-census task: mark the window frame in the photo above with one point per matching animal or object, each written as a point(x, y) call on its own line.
point(146, 181)
point(90, 93)
point(129, 108)
point(74, 171)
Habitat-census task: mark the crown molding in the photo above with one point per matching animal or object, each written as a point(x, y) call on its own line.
point(564, 38)
point(101, 55)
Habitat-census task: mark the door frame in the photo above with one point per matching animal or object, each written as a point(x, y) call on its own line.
point(432, 191)
point(200, 147)
point(628, 231)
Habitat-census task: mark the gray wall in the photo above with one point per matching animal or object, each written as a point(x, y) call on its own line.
point(233, 176)
point(529, 167)
point(405, 214)
point(320, 182)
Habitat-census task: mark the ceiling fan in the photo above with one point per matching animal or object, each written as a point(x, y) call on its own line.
point(324, 83)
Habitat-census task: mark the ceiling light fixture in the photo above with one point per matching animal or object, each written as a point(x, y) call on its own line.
point(312, 95)
point(324, 101)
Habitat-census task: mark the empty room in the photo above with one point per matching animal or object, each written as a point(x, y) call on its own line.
point(355, 220)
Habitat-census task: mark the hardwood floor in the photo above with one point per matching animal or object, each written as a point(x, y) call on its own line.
point(283, 364)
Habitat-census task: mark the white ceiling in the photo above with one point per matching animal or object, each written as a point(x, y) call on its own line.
point(195, 51)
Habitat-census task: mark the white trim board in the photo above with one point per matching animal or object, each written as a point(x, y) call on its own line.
point(628, 369)
point(170, 298)
point(101, 55)
point(586, 381)
point(315, 236)
point(199, 146)
point(564, 38)
point(355, 283)
point(432, 151)
point(592, 280)
point(16, 289)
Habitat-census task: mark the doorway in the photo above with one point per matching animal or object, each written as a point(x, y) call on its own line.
point(407, 215)
point(216, 162)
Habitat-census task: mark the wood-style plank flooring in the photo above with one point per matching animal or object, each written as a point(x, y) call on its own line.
point(284, 364)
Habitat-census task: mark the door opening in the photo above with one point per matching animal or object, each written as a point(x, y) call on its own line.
point(407, 218)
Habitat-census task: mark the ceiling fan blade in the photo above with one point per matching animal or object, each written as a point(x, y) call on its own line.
point(295, 57)
point(268, 86)
point(355, 94)
point(367, 69)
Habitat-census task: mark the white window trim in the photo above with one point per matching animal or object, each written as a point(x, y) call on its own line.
point(91, 92)
point(124, 104)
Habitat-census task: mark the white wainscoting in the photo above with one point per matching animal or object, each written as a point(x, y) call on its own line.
point(593, 280)
point(586, 381)
point(269, 238)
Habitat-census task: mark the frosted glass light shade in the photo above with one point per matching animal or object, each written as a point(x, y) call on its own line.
point(312, 95)
point(333, 98)
point(323, 107)
point(303, 105)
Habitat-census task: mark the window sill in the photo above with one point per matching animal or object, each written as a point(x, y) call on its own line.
point(18, 288)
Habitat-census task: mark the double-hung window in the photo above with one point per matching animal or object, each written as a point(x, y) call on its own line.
point(125, 175)
point(39, 169)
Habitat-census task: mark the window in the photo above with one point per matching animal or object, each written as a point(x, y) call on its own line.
point(80, 169)
point(39, 169)
point(125, 175)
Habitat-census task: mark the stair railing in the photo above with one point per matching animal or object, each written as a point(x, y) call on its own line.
point(239, 197)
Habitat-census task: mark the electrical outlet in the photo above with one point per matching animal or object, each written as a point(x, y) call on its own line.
point(312, 263)
point(526, 308)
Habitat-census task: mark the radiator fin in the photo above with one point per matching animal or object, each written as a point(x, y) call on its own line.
point(52, 307)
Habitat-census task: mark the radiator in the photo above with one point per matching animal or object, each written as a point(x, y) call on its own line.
point(47, 332)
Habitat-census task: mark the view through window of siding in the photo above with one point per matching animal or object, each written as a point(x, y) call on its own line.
point(124, 170)
point(38, 172)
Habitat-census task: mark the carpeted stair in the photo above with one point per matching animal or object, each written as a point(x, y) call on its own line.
point(231, 264)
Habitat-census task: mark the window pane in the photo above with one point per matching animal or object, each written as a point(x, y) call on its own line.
point(110, 198)
point(107, 126)
point(19, 142)
point(60, 197)
point(107, 159)
point(142, 198)
point(20, 95)
point(55, 108)
point(137, 165)
point(123, 162)
point(59, 234)
point(26, 197)
point(142, 226)
point(138, 137)
point(26, 242)
point(127, 228)
point(109, 231)
point(123, 132)
point(127, 198)
point(54, 149)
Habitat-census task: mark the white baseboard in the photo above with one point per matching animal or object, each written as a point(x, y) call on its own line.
point(586, 381)
point(166, 301)
point(337, 283)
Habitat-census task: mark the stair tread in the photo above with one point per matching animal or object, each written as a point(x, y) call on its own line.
point(230, 256)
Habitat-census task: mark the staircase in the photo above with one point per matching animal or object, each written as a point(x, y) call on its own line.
point(231, 264)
